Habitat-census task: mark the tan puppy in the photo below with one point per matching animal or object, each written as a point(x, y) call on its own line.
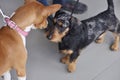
point(13, 54)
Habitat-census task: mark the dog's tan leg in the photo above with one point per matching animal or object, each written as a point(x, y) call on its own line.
point(100, 39)
point(20, 67)
point(72, 66)
point(115, 45)
point(65, 59)
point(72, 61)
point(21, 72)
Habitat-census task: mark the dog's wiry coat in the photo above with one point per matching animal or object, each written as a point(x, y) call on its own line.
point(82, 33)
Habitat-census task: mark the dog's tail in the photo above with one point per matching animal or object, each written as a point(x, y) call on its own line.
point(110, 5)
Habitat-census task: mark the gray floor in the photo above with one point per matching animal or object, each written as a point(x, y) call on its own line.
point(96, 62)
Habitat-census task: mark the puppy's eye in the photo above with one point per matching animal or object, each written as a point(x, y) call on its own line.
point(60, 23)
point(55, 20)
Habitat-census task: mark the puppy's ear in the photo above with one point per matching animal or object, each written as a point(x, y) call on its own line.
point(28, 1)
point(53, 8)
point(59, 12)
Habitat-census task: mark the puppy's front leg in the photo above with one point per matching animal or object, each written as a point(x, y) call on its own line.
point(72, 61)
point(65, 59)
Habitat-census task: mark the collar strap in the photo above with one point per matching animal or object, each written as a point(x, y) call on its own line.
point(13, 25)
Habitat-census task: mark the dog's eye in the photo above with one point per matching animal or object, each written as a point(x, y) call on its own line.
point(55, 20)
point(60, 23)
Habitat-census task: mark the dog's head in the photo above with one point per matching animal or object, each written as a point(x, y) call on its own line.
point(61, 25)
point(33, 12)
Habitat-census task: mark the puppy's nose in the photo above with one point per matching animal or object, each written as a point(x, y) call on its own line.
point(49, 37)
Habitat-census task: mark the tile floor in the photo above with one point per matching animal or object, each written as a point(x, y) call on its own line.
point(96, 62)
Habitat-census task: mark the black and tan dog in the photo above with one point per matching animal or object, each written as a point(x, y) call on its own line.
point(74, 35)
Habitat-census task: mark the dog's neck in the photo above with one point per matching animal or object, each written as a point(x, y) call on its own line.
point(27, 29)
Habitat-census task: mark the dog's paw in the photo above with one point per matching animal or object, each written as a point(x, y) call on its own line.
point(114, 47)
point(71, 67)
point(65, 60)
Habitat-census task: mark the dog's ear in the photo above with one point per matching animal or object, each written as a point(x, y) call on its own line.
point(59, 12)
point(53, 8)
point(28, 1)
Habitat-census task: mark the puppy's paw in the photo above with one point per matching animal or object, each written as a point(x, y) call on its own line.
point(114, 47)
point(65, 60)
point(71, 67)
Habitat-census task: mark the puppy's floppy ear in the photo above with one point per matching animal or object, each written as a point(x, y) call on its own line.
point(28, 1)
point(53, 8)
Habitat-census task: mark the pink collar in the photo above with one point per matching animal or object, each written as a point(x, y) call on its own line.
point(12, 25)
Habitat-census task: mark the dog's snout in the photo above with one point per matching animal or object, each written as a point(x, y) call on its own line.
point(49, 37)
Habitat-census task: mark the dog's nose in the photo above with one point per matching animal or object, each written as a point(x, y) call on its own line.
point(49, 37)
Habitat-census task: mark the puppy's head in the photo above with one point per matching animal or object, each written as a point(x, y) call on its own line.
point(61, 25)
